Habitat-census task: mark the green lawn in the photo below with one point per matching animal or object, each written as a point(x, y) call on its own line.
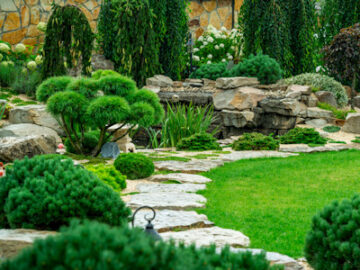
point(273, 200)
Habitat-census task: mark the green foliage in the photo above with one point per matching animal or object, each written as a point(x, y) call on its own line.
point(209, 71)
point(153, 99)
point(332, 242)
point(321, 82)
point(109, 175)
point(89, 142)
point(126, 249)
point(84, 86)
point(68, 35)
point(44, 194)
point(331, 129)
point(7, 74)
point(342, 56)
point(134, 165)
point(198, 142)
point(26, 82)
point(339, 114)
point(117, 85)
point(255, 141)
point(282, 29)
point(263, 67)
point(52, 85)
point(104, 72)
point(336, 15)
point(302, 135)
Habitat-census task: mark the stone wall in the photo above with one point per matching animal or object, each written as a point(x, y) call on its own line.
point(19, 18)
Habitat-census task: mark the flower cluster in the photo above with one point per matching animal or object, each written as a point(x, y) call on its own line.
point(216, 46)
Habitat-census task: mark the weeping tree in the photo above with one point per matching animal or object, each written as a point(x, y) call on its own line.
point(68, 36)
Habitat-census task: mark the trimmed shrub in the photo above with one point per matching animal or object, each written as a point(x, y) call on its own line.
point(153, 99)
point(322, 83)
point(51, 86)
point(88, 144)
point(199, 142)
point(263, 67)
point(255, 141)
point(302, 135)
point(117, 85)
point(100, 73)
point(109, 175)
point(44, 194)
point(209, 71)
point(92, 245)
point(134, 165)
point(85, 86)
point(331, 129)
point(26, 82)
point(333, 241)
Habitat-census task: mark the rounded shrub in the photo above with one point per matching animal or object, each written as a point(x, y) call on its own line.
point(92, 245)
point(199, 142)
point(84, 86)
point(321, 83)
point(302, 135)
point(134, 165)
point(51, 86)
point(142, 114)
point(153, 99)
point(89, 143)
point(255, 141)
point(104, 72)
point(109, 175)
point(261, 66)
point(333, 241)
point(117, 86)
point(209, 71)
point(44, 194)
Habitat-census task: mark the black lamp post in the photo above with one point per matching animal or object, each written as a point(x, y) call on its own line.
point(190, 45)
point(149, 228)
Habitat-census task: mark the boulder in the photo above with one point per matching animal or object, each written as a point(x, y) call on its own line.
point(98, 61)
point(24, 130)
point(356, 101)
point(238, 99)
point(278, 121)
point(352, 123)
point(235, 82)
point(316, 123)
point(296, 91)
point(236, 118)
point(312, 100)
point(195, 97)
point(282, 106)
point(35, 114)
point(319, 113)
point(160, 81)
point(326, 97)
point(12, 148)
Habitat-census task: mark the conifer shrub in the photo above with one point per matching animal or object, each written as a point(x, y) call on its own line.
point(134, 165)
point(109, 175)
point(117, 85)
point(302, 135)
point(85, 86)
point(209, 71)
point(199, 142)
point(51, 86)
point(333, 240)
point(92, 245)
point(90, 141)
point(100, 73)
point(45, 193)
point(255, 141)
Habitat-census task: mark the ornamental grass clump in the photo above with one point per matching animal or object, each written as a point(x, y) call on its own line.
point(333, 241)
point(134, 165)
point(199, 142)
point(303, 135)
point(255, 141)
point(92, 245)
point(46, 193)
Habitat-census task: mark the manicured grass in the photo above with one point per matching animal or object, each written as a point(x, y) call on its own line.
point(273, 200)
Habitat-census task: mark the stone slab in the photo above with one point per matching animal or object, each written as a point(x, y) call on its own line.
point(167, 200)
point(155, 188)
point(239, 155)
point(181, 177)
point(304, 148)
point(208, 236)
point(168, 220)
point(193, 166)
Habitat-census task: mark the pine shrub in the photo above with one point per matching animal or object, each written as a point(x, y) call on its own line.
point(52, 85)
point(199, 142)
point(92, 245)
point(117, 85)
point(84, 86)
point(104, 72)
point(109, 175)
point(90, 141)
point(333, 241)
point(209, 71)
point(134, 165)
point(44, 194)
point(255, 141)
point(302, 135)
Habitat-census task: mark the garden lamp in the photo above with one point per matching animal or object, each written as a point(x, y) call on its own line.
point(190, 45)
point(149, 228)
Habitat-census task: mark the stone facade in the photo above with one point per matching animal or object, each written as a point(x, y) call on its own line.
point(19, 18)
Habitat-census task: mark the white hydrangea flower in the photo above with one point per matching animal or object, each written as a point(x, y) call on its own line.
point(208, 62)
point(217, 35)
point(4, 48)
point(222, 45)
point(210, 39)
point(202, 47)
point(196, 58)
point(205, 43)
point(227, 54)
point(201, 38)
point(24, 71)
point(210, 56)
point(223, 60)
point(38, 60)
point(223, 36)
point(233, 48)
point(41, 27)
point(20, 48)
point(230, 57)
point(196, 50)
point(223, 29)
point(211, 28)
point(4, 64)
point(31, 65)
point(217, 47)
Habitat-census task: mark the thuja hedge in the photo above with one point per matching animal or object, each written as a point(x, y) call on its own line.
point(92, 245)
point(46, 193)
